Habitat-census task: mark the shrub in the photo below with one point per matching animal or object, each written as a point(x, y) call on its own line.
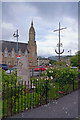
point(52, 72)
point(65, 77)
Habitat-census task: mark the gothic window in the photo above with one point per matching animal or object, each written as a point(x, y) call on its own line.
point(12, 61)
point(5, 60)
point(26, 54)
point(12, 54)
point(32, 54)
point(5, 55)
point(12, 57)
point(20, 53)
point(9, 60)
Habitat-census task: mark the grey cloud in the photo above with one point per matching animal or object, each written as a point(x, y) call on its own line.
point(7, 12)
point(52, 10)
point(41, 0)
point(47, 10)
point(21, 14)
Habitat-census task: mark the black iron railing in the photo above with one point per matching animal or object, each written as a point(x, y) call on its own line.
point(28, 95)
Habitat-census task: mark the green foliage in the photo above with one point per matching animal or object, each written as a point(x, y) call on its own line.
point(75, 60)
point(66, 75)
point(61, 64)
point(41, 85)
point(52, 72)
point(63, 76)
point(8, 86)
point(9, 78)
point(52, 61)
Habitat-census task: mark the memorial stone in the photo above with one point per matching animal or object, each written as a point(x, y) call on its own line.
point(23, 72)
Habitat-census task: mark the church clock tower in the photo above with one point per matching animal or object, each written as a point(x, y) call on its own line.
point(32, 47)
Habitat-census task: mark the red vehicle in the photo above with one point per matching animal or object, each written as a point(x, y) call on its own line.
point(39, 68)
point(42, 68)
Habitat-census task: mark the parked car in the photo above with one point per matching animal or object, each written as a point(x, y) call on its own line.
point(74, 68)
point(37, 69)
point(11, 70)
point(42, 68)
point(4, 66)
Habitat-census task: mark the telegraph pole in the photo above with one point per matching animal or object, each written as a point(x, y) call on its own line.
point(59, 44)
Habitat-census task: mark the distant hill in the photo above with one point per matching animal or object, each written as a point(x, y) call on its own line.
point(56, 57)
point(53, 58)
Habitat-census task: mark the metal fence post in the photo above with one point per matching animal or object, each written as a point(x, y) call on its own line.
point(46, 92)
point(11, 97)
point(3, 98)
point(39, 73)
point(32, 72)
point(28, 96)
point(25, 96)
point(40, 92)
point(21, 96)
point(18, 95)
point(35, 92)
point(7, 96)
point(73, 85)
point(15, 97)
point(33, 95)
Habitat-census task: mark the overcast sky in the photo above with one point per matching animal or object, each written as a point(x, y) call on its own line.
point(46, 17)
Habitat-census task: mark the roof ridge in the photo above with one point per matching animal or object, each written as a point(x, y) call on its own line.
point(13, 41)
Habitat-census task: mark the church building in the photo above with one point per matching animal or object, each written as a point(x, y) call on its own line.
point(29, 50)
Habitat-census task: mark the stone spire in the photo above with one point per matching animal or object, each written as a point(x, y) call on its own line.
point(32, 33)
point(32, 47)
point(32, 23)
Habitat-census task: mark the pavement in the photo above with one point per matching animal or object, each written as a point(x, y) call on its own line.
point(64, 107)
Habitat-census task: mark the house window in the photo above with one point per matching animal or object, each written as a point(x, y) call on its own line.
point(25, 54)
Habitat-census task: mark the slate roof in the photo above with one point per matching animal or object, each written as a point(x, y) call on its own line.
point(10, 45)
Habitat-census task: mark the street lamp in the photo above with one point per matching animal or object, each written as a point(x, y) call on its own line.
point(16, 35)
point(69, 51)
